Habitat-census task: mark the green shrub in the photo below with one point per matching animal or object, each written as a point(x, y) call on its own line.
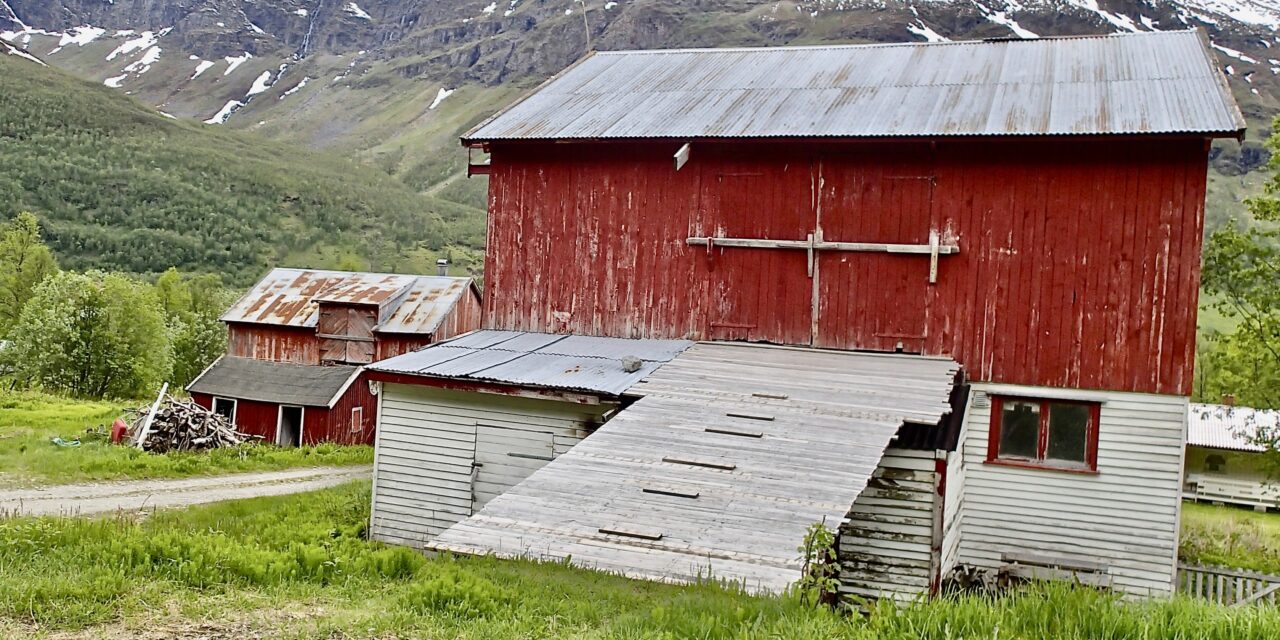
point(452, 590)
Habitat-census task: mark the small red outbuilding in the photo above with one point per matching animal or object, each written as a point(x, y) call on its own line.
point(298, 339)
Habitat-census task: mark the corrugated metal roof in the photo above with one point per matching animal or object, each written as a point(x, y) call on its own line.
point(276, 382)
point(1151, 82)
point(1227, 427)
point(409, 303)
point(823, 420)
point(573, 363)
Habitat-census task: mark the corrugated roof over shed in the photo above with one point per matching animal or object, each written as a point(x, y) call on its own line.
point(544, 360)
point(1228, 427)
point(290, 297)
point(1157, 82)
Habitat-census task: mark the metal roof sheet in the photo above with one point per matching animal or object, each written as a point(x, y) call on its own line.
point(550, 361)
point(1150, 82)
point(1229, 427)
point(830, 415)
point(276, 382)
point(409, 303)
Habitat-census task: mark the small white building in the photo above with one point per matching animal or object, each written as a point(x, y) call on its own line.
point(1224, 462)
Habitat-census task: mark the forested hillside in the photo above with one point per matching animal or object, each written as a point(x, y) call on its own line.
point(121, 187)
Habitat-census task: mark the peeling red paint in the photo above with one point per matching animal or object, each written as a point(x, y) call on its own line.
point(1078, 265)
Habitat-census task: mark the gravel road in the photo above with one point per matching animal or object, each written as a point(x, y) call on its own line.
point(102, 497)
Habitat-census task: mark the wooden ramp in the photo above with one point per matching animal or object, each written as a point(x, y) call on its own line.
point(731, 453)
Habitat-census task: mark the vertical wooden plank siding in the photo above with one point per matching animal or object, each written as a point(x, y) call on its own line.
point(1123, 517)
point(428, 440)
point(1079, 263)
point(298, 345)
point(886, 547)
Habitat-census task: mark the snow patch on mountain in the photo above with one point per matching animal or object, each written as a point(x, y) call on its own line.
point(221, 117)
point(260, 85)
point(201, 68)
point(444, 93)
point(79, 36)
point(925, 31)
point(145, 40)
point(235, 61)
point(355, 10)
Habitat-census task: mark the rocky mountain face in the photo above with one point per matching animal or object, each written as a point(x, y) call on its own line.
point(394, 81)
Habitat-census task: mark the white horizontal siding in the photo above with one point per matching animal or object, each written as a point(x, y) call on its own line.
point(886, 547)
point(428, 440)
point(1124, 517)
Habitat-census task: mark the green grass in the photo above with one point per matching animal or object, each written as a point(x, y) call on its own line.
point(299, 567)
point(1230, 537)
point(29, 420)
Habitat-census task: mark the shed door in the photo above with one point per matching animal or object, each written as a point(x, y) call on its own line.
point(757, 293)
point(505, 456)
point(874, 300)
point(346, 333)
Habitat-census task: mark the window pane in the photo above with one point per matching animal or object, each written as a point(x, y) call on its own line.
point(1068, 432)
point(223, 407)
point(1019, 429)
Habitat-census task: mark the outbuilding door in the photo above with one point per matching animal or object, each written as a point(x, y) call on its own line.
point(832, 249)
point(757, 294)
point(874, 300)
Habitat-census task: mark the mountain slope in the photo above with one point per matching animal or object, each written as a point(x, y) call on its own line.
point(393, 82)
point(122, 187)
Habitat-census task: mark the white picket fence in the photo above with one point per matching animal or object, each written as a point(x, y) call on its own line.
point(1229, 587)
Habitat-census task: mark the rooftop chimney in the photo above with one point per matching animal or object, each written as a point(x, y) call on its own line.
point(442, 267)
point(1229, 399)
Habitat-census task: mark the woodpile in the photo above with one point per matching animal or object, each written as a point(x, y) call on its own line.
point(182, 425)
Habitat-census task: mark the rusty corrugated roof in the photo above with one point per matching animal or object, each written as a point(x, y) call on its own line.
point(1151, 82)
point(1228, 427)
point(408, 303)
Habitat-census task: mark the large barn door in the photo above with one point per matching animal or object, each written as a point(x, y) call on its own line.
point(875, 299)
point(757, 293)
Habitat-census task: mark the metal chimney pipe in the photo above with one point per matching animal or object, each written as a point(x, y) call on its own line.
point(442, 267)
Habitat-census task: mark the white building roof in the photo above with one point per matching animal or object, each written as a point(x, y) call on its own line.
point(1228, 427)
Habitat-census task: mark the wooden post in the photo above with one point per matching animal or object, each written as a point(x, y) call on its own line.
point(146, 423)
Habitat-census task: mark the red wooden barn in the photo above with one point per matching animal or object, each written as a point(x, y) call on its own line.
point(1031, 209)
point(298, 339)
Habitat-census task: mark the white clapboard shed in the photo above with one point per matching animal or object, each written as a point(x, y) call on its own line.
point(1225, 459)
point(707, 459)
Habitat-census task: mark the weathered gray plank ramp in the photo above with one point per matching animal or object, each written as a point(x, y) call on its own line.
point(731, 453)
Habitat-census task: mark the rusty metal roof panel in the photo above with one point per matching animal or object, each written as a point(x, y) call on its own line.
point(291, 297)
point(541, 360)
point(1229, 427)
point(1151, 82)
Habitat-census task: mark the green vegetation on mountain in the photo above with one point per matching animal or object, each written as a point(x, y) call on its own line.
point(120, 187)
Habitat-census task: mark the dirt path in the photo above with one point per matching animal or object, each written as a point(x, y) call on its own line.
point(86, 499)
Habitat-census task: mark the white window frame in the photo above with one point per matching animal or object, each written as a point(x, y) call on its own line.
point(302, 421)
point(235, 406)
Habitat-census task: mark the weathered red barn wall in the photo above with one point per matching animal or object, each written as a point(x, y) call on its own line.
point(463, 317)
point(318, 423)
point(1079, 263)
point(269, 342)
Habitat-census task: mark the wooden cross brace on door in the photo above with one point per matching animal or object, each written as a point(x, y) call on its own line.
point(814, 243)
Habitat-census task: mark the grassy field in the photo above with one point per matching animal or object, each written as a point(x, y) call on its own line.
point(29, 421)
point(299, 567)
point(1232, 537)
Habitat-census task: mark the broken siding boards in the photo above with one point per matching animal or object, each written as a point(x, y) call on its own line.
point(886, 548)
point(833, 415)
point(428, 439)
point(1124, 517)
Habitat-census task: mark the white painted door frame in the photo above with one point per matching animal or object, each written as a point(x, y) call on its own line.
point(302, 419)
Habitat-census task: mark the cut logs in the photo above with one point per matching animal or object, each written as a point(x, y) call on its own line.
point(182, 425)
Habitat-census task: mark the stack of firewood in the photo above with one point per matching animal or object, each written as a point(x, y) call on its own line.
point(182, 425)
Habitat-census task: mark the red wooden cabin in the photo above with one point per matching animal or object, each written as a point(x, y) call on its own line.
point(297, 341)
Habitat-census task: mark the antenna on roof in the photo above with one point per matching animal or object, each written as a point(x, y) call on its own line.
point(585, 25)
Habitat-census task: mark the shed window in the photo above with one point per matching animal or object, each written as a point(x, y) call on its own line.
point(1051, 434)
point(1215, 462)
point(357, 420)
point(225, 407)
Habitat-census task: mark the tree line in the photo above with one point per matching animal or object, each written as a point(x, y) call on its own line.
point(101, 334)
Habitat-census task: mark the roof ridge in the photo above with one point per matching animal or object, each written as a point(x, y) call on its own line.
point(873, 45)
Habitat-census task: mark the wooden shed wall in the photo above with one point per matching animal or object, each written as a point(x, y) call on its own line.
point(298, 345)
point(428, 440)
point(887, 547)
point(462, 318)
point(319, 424)
point(1079, 263)
point(1125, 516)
